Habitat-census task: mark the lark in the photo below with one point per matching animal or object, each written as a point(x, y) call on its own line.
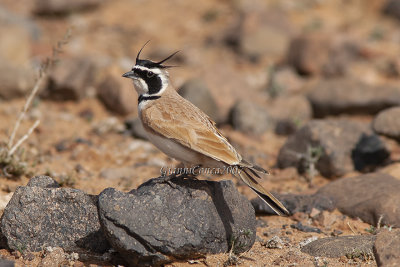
point(184, 132)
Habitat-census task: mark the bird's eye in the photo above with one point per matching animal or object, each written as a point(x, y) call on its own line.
point(150, 74)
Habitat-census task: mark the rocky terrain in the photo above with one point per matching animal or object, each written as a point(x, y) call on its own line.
point(306, 89)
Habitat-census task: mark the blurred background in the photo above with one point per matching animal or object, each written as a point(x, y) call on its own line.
point(306, 89)
point(260, 69)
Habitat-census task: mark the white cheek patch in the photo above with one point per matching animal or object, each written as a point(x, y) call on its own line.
point(140, 86)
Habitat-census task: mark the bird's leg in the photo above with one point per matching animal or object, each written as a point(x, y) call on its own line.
point(180, 172)
point(165, 179)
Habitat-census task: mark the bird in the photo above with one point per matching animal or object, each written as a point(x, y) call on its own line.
point(184, 132)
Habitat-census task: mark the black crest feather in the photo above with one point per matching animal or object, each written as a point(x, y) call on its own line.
point(150, 64)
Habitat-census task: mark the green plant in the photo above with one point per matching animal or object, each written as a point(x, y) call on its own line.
point(313, 154)
point(361, 255)
point(67, 180)
point(273, 87)
point(371, 229)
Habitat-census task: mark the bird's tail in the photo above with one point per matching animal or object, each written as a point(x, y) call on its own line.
point(248, 174)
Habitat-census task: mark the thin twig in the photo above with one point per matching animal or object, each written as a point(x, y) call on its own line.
point(24, 110)
point(23, 138)
point(379, 221)
point(351, 228)
point(42, 75)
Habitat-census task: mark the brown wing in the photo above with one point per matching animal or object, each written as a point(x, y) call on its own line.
point(176, 118)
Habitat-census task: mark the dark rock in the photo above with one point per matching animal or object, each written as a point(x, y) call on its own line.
point(308, 53)
point(62, 7)
point(248, 117)
point(316, 53)
point(255, 25)
point(135, 128)
point(359, 196)
point(392, 8)
point(387, 123)
point(199, 94)
point(6, 263)
point(293, 110)
point(71, 79)
point(369, 153)
point(285, 127)
point(326, 143)
point(3, 241)
point(160, 222)
point(40, 215)
point(368, 197)
point(295, 203)
point(387, 247)
point(284, 81)
point(335, 247)
point(42, 181)
point(117, 95)
point(337, 96)
point(305, 228)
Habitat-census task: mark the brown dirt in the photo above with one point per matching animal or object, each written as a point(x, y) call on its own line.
point(116, 30)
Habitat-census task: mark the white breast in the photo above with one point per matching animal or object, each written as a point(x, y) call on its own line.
point(174, 149)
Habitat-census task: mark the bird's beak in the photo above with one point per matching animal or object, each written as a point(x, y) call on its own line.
point(129, 74)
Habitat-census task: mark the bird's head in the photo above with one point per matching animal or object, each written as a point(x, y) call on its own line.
point(149, 78)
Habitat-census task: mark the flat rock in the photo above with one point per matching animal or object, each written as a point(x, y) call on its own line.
point(40, 215)
point(335, 247)
point(199, 94)
point(71, 79)
point(334, 146)
point(295, 203)
point(343, 95)
point(387, 247)
point(367, 197)
point(117, 95)
point(387, 122)
point(160, 222)
point(349, 196)
point(248, 117)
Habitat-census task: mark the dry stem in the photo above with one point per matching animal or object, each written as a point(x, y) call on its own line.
point(23, 138)
point(42, 75)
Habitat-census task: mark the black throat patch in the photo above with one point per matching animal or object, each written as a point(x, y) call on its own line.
point(152, 80)
point(144, 98)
